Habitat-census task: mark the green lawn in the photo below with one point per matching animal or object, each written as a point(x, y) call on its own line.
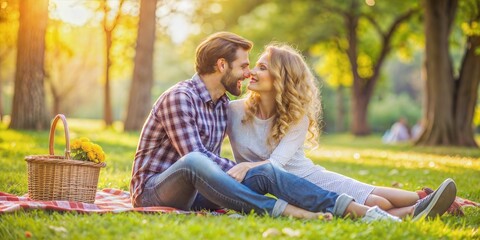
point(366, 159)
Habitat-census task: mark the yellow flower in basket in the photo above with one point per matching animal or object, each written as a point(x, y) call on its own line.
point(83, 149)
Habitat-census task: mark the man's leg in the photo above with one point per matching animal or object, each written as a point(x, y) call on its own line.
point(295, 190)
point(202, 203)
point(178, 185)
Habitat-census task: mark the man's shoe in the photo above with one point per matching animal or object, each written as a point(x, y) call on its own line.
point(437, 203)
point(375, 214)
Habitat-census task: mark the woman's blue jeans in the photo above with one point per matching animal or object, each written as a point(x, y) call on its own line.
point(196, 182)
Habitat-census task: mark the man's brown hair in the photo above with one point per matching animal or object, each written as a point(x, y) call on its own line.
point(216, 46)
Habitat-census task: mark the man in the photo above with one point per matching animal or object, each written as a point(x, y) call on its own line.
point(177, 162)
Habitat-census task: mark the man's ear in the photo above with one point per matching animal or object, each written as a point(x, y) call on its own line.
point(221, 64)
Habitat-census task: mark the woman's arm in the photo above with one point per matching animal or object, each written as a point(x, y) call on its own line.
point(290, 143)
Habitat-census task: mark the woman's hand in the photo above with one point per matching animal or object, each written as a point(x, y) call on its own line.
point(239, 171)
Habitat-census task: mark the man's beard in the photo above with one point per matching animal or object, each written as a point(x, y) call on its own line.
point(229, 82)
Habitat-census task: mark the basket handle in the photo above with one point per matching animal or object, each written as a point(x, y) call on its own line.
point(67, 137)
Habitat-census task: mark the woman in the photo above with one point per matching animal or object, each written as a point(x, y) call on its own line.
point(280, 112)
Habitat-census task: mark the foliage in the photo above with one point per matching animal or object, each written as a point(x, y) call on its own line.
point(72, 65)
point(366, 159)
point(468, 20)
point(384, 112)
point(79, 63)
point(332, 64)
point(476, 119)
point(9, 15)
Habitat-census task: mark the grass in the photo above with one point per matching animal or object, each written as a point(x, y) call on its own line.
point(366, 159)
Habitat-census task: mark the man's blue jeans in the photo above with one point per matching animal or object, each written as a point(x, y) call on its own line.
point(196, 175)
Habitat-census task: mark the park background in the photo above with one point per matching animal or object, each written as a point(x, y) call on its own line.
point(369, 58)
point(103, 64)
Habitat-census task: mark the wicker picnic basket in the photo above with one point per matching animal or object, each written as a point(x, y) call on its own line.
point(53, 177)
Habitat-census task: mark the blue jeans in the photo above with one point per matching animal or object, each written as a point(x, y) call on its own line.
point(195, 182)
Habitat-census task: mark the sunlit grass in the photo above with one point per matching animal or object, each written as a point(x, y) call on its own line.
point(366, 159)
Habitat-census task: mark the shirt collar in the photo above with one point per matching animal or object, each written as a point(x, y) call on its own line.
point(202, 91)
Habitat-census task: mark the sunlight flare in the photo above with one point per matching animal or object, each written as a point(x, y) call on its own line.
point(72, 12)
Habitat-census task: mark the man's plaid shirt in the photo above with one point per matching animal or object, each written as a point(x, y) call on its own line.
point(184, 119)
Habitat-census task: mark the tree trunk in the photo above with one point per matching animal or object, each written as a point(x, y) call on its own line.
point(107, 109)
point(340, 119)
point(56, 105)
point(466, 97)
point(359, 112)
point(29, 109)
point(440, 86)
point(358, 103)
point(56, 98)
point(139, 103)
point(363, 86)
point(108, 29)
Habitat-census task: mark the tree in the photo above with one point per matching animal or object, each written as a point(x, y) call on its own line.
point(336, 74)
point(8, 35)
point(29, 109)
point(67, 57)
point(450, 101)
point(365, 34)
point(108, 29)
point(364, 83)
point(139, 103)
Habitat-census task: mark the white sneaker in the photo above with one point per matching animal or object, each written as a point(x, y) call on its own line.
point(375, 214)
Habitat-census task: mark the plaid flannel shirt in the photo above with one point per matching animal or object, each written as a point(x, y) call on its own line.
point(184, 119)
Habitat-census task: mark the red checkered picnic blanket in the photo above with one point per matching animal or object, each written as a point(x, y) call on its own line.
point(106, 201)
point(114, 201)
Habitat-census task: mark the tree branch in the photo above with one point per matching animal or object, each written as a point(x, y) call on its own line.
point(375, 25)
point(351, 23)
point(386, 40)
point(106, 10)
point(333, 8)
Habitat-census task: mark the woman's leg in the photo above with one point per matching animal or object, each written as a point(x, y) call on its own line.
point(395, 201)
point(405, 203)
point(397, 197)
point(268, 179)
point(375, 200)
point(401, 212)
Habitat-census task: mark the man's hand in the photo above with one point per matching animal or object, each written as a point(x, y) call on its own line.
point(239, 171)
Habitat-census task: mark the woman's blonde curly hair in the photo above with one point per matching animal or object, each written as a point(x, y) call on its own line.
point(296, 94)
